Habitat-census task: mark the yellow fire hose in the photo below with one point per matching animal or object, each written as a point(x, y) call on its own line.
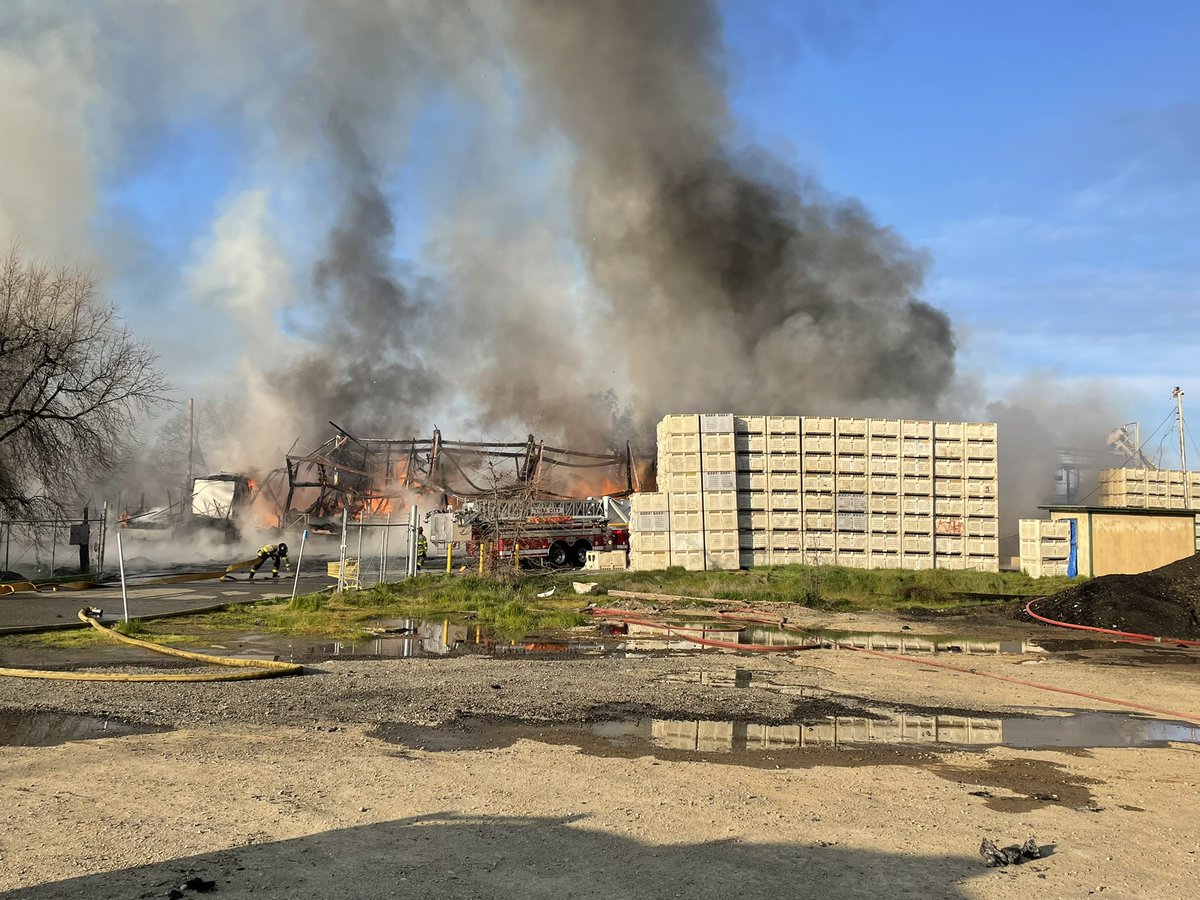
point(255, 668)
point(13, 587)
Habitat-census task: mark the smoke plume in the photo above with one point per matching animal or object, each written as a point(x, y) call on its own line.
point(499, 218)
point(735, 285)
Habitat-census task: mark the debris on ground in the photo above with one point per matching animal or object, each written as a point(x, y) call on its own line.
point(994, 856)
point(195, 884)
point(1162, 602)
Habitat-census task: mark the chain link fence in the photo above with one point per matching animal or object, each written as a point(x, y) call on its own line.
point(365, 553)
point(46, 548)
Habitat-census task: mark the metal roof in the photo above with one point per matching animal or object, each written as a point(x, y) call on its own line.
point(1120, 510)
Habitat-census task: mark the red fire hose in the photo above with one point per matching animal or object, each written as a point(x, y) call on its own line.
point(631, 617)
point(1127, 635)
point(1187, 717)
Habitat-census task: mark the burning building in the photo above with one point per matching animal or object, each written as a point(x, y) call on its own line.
point(366, 476)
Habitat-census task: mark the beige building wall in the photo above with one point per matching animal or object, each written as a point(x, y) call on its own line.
point(1116, 543)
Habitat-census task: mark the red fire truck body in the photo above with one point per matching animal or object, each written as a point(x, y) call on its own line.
point(558, 532)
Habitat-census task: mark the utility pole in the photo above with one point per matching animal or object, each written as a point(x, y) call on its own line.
point(185, 514)
point(1178, 395)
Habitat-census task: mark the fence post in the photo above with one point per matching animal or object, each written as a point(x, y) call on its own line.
point(299, 560)
point(449, 557)
point(412, 542)
point(359, 563)
point(85, 542)
point(342, 554)
point(387, 533)
point(103, 536)
point(121, 561)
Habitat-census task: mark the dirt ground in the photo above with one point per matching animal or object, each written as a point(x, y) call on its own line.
point(483, 777)
point(1164, 602)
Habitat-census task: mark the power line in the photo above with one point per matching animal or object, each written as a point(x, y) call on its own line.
point(1100, 482)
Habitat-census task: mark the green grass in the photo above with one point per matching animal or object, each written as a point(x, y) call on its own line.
point(510, 605)
point(829, 587)
point(66, 639)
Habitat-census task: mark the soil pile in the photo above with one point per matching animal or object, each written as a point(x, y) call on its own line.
point(1162, 602)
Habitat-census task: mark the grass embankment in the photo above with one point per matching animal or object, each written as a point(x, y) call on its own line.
point(510, 605)
point(832, 587)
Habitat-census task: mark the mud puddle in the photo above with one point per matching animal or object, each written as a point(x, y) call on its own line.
point(903, 642)
point(44, 729)
point(787, 745)
point(409, 638)
point(746, 678)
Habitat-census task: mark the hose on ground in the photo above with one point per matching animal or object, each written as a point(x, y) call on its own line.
point(1174, 714)
point(1131, 636)
point(253, 668)
point(630, 616)
point(688, 634)
point(15, 587)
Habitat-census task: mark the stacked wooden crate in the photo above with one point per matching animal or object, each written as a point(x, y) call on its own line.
point(1045, 546)
point(871, 493)
point(1149, 488)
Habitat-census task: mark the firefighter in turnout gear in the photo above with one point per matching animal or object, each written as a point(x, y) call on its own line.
point(275, 552)
point(422, 548)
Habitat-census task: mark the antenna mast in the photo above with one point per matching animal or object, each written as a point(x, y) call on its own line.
point(1178, 395)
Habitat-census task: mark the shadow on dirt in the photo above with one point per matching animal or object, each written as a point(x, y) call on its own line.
point(458, 857)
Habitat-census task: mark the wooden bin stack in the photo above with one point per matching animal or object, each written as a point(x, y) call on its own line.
point(1045, 546)
point(1149, 489)
point(741, 491)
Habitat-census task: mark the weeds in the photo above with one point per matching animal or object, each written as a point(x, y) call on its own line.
point(509, 604)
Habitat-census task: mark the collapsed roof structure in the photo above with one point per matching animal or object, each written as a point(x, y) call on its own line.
point(364, 475)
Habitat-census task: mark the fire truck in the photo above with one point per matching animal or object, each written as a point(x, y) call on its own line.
point(558, 533)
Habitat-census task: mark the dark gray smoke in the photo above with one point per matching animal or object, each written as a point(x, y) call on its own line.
point(371, 315)
point(685, 273)
point(735, 285)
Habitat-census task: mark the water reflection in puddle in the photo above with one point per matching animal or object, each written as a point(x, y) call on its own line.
point(43, 729)
point(903, 642)
point(406, 638)
point(1081, 730)
point(798, 745)
point(749, 678)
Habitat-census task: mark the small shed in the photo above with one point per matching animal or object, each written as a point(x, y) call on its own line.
point(1111, 540)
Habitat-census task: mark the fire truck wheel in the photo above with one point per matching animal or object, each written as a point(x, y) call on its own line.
point(557, 555)
point(579, 552)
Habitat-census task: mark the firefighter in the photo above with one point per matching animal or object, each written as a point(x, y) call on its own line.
point(422, 548)
point(276, 552)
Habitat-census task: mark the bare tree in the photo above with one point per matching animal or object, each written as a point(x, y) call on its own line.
point(73, 382)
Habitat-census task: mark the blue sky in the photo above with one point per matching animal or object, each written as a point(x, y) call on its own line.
point(1045, 155)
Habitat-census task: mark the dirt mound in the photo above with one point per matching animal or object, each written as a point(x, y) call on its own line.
point(1162, 602)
